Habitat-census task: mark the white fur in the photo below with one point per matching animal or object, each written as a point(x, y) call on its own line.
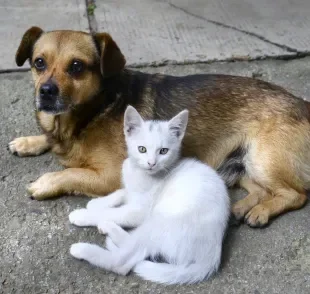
point(179, 208)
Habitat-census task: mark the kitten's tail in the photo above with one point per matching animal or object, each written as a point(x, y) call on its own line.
point(169, 274)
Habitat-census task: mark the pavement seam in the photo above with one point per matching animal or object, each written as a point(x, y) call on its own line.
point(192, 62)
point(11, 70)
point(92, 22)
point(262, 38)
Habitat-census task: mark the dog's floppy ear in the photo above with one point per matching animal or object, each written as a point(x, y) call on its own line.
point(24, 50)
point(112, 61)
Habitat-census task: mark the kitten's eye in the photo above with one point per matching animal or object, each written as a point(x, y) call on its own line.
point(142, 149)
point(163, 151)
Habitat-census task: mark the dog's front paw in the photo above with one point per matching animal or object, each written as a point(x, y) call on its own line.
point(81, 250)
point(240, 209)
point(258, 216)
point(45, 187)
point(82, 218)
point(28, 146)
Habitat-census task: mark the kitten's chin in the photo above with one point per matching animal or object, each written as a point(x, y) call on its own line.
point(154, 172)
point(151, 171)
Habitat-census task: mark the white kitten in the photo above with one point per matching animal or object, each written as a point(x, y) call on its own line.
point(180, 209)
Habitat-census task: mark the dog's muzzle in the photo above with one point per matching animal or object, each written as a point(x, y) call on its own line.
point(49, 100)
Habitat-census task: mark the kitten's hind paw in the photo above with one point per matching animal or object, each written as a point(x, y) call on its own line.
point(91, 253)
point(81, 250)
point(109, 244)
point(82, 218)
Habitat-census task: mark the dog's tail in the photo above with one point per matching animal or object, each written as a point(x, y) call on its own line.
point(169, 274)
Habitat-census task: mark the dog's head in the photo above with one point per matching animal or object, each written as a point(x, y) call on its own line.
point(68, 66)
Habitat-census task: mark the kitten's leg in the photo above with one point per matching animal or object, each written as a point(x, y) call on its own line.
point(115, 232)
point(120, 261)
point(94, 255)
point(128, 216)
point(109, 245)
point(95, 208)
point(124, 216)
point(114, 199)
point(83, 218)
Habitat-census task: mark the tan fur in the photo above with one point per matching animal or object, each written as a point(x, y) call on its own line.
point(29, 146)
point(225, 113)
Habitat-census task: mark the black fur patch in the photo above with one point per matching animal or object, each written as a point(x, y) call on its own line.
point(119, 91)
point(233, 167)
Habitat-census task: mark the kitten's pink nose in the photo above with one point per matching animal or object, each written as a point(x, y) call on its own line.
point(151, 164)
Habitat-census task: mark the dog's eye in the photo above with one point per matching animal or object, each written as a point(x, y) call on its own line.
point(76, 67)
point(163, 151)
point(39, 64)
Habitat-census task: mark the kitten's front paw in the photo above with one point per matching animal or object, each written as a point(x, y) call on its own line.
point(100, 204)
point(96, 204)
point(81, 217)
point(81, 250)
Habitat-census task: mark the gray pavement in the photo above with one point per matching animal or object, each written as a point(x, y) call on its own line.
point(36, 236)
point(16, 16)
point(165, 31)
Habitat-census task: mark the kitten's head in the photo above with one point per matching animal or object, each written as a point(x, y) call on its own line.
point(154, 146)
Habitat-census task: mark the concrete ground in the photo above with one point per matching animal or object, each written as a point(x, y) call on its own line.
point(36, 236)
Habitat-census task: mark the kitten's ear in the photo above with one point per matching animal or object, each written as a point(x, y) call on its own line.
point(132, 120)
point(177, 125)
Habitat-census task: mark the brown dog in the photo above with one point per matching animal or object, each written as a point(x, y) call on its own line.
point(256, 134)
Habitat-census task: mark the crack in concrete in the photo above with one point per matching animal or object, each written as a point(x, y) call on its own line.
point(284, 57)
point(282, 46)
point(12, 70)
point(92, 22)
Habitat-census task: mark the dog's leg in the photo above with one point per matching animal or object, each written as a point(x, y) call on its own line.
point(73, 180)
point(29, 146)
point(278, 160)
point(256, 194)
point(285, 199)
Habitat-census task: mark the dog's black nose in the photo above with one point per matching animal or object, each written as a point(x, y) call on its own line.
point(49, 90)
